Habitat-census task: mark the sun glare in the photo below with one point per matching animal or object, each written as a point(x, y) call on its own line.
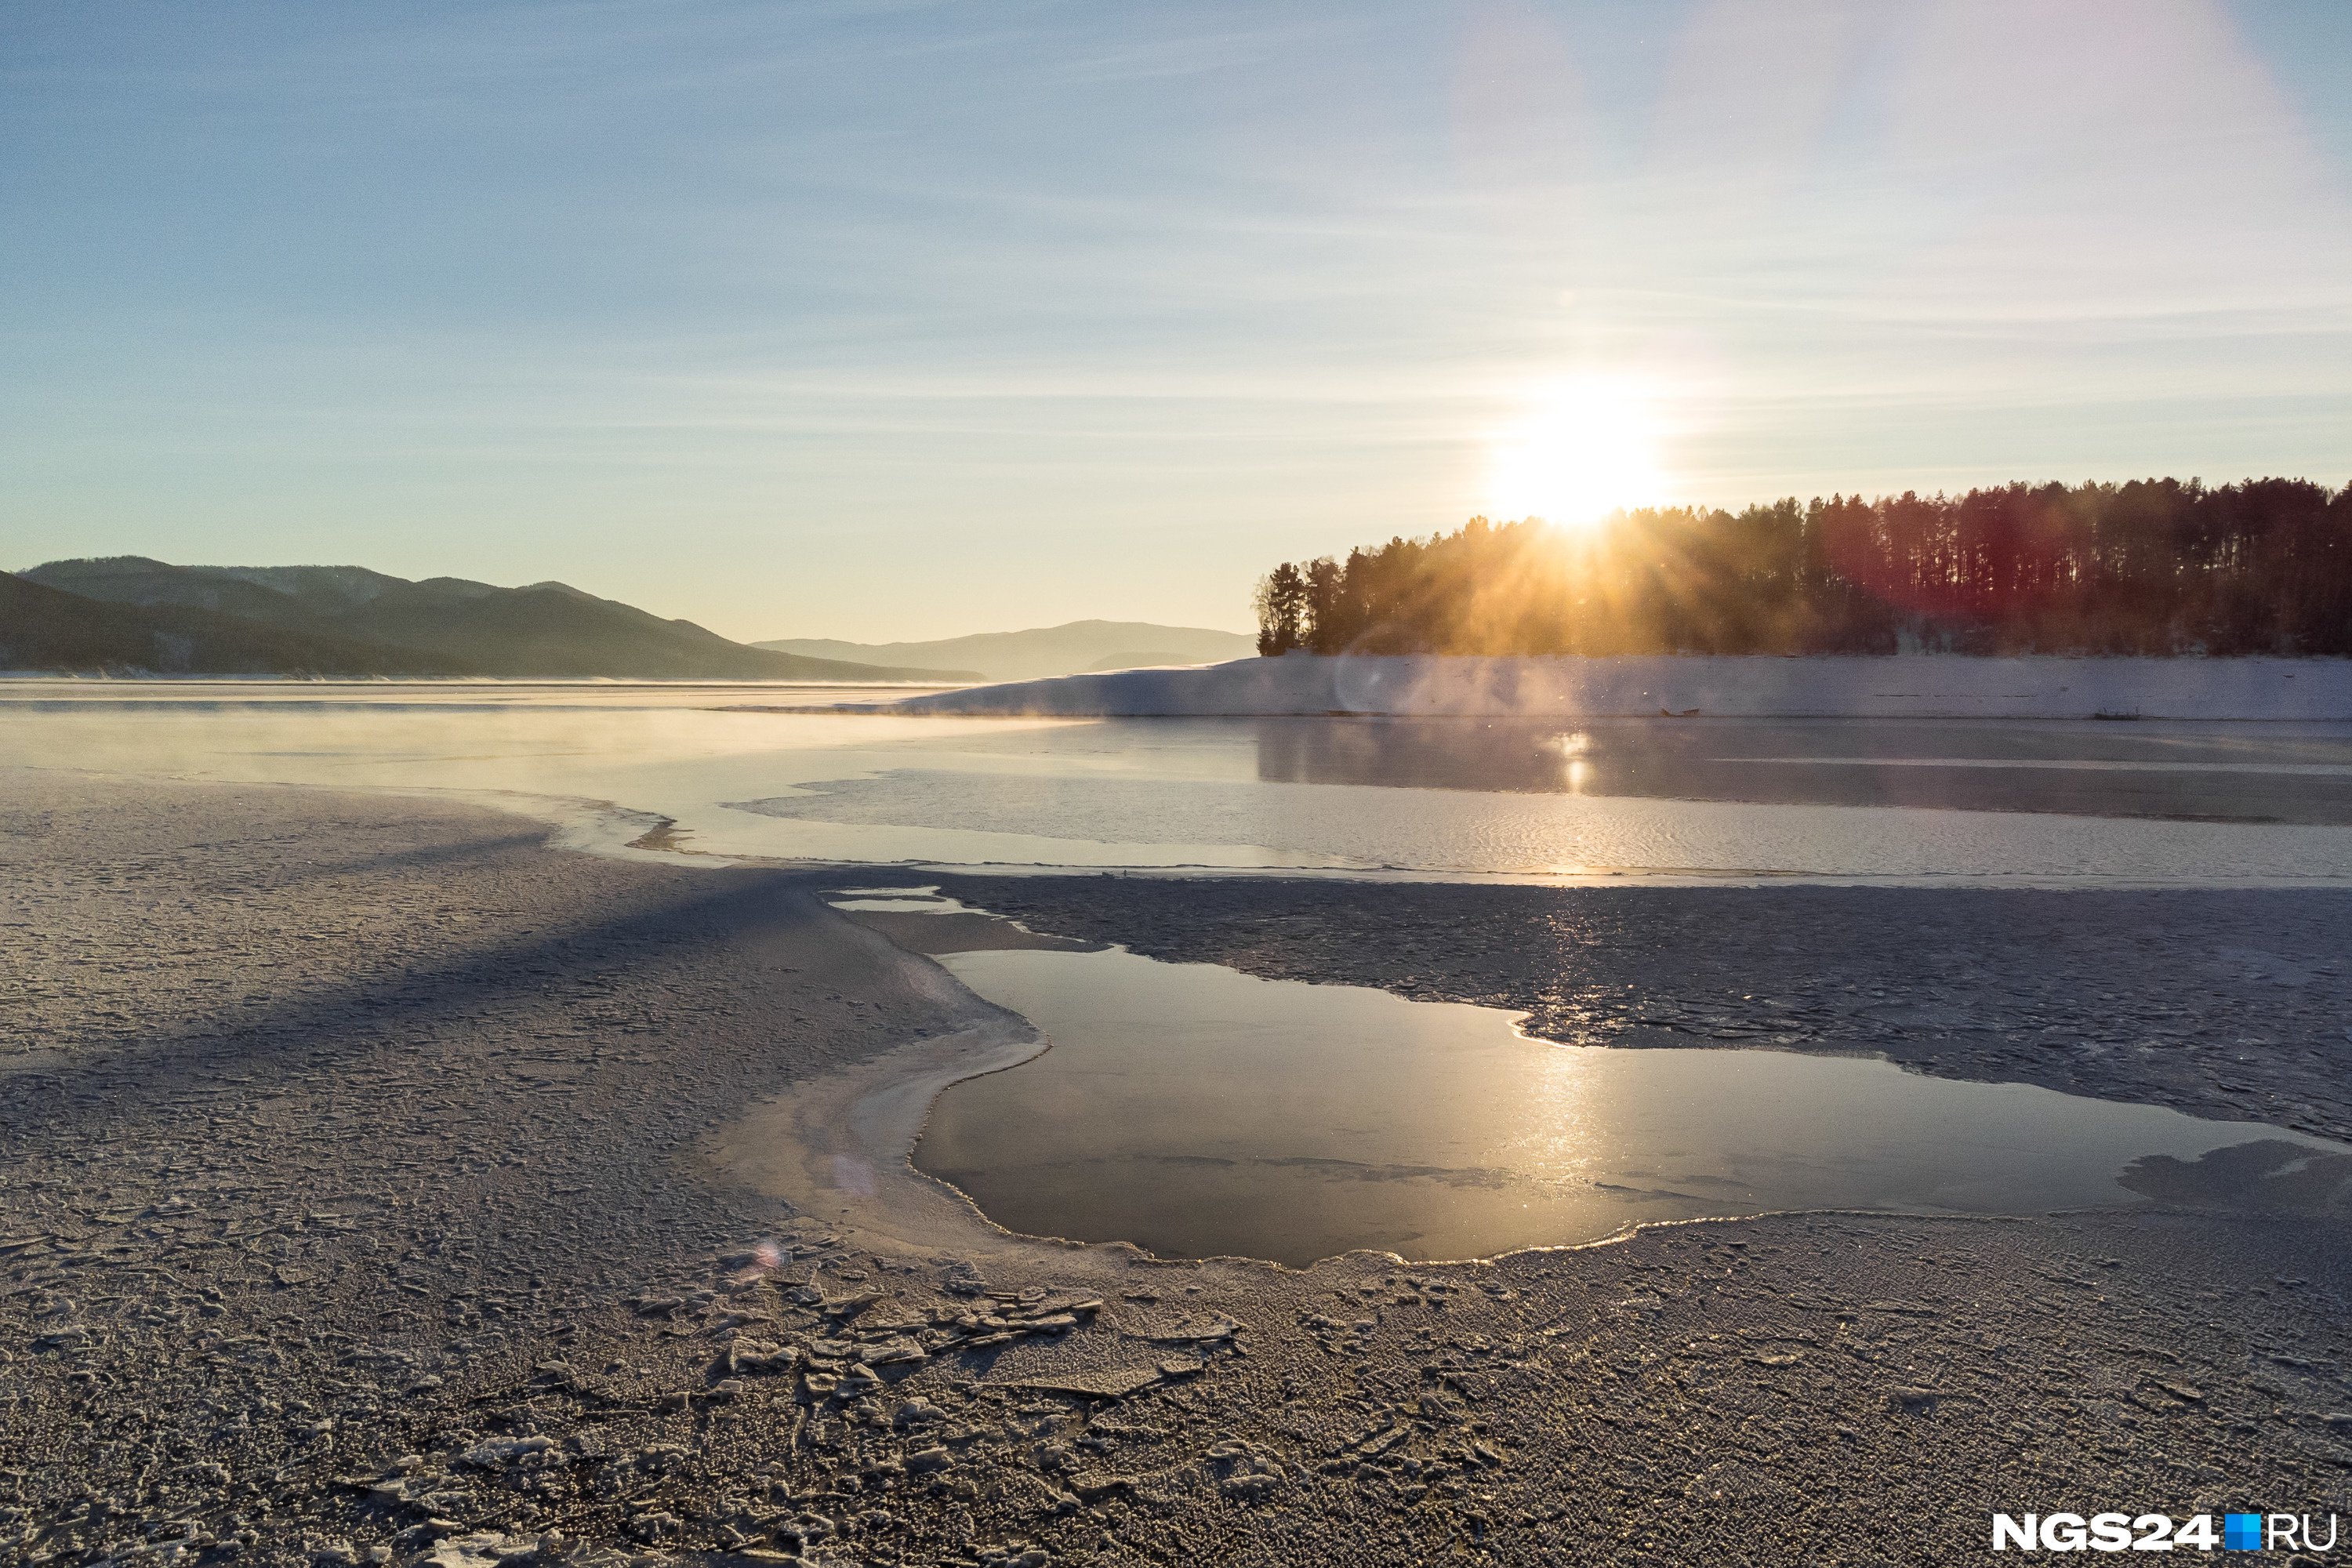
point(1587, 451)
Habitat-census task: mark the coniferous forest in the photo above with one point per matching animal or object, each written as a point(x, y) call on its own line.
point(2152, 566)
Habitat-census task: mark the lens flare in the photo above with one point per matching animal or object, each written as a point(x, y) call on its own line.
point(1591, 448)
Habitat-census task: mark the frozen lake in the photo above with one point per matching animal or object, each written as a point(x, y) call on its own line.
point(1196, 1111)
point(1950, 802)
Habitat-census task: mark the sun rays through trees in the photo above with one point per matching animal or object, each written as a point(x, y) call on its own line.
point(2147, 567)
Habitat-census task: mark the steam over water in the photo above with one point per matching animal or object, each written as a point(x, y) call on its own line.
point(1944, 802)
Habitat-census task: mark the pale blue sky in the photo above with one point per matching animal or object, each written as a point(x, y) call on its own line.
point(896, 320)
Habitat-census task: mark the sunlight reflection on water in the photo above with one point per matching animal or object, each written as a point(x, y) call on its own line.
point(1944, 802)
point(1196, 1111)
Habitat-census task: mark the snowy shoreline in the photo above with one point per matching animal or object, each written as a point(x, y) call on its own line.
point(1897, 686)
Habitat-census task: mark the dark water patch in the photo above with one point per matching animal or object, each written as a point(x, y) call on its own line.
point(2268, 1175)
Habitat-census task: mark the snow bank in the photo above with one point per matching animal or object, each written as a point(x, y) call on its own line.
point(1898, 687)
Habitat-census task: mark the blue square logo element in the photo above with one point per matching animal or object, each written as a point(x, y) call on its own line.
point(2241, 1533)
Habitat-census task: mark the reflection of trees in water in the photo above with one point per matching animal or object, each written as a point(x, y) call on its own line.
point(2269, 1175)
point(1413, 753)
point(1650, 759)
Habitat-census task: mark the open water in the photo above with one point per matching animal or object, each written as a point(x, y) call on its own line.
point(1955, 802)
point(1198, 1111)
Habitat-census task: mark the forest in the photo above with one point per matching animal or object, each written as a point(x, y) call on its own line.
point(2152, 566)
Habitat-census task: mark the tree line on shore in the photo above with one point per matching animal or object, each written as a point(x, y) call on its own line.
point(2152, 566)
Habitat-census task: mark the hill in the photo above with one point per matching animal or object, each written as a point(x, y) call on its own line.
point(449, 624)
point(1140, 658)
point(1044, 651)
point(43, 627)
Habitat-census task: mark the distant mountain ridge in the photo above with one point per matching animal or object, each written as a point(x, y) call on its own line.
point(48, 629)
point(1044, 651)
point(348, 620)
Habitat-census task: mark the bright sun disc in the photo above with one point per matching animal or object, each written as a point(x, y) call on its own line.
point(1588, 451)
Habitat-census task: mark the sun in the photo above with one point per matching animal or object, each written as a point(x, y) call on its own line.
point(1589, 448)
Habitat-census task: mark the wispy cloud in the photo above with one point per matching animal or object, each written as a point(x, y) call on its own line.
point(1156, 294)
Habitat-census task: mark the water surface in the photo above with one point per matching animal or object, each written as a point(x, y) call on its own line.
point(1198, 1111)
point(1946, 801)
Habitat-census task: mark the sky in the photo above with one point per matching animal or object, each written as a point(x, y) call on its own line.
point(903, 320)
